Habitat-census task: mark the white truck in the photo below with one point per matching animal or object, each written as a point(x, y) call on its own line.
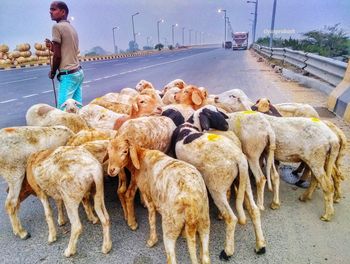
point(240, 40)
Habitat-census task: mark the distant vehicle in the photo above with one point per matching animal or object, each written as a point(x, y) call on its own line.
point(228, 44)
point(240, 40)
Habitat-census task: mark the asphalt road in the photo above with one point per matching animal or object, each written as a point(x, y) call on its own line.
point(294, 233)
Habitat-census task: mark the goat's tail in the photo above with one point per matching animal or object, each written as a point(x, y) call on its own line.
point(343, 144)
point(270, 157)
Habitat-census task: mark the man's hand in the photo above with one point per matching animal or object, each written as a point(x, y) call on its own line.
point(48, 44)
point(52, 74)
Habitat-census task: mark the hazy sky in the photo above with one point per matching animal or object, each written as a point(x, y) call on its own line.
point(29, 20)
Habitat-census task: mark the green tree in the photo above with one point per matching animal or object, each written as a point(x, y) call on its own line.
point(159, 46)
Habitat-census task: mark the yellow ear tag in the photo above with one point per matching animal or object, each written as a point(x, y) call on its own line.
point(98, 98)
point(248, 112)
point(213, 137)
point(314, 119)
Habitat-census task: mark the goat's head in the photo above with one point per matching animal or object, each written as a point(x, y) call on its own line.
point(209, 117)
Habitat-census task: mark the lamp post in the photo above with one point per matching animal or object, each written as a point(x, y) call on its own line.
point(133, 26)
point(172, 29)
point(114, 47)
point(189, 36)
point(159, 21)
point(273, 22)
point(183, 36)
point(195, 37)
point(255, 17)
point(224, 10)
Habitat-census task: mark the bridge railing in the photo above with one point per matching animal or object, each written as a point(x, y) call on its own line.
point(327, 69)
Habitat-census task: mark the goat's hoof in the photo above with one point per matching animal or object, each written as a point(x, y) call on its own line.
point(106, 247)
point(260, 251)
point(275, 206)
point(261, 207)
point(94, 220)
point(68, 253)
point(219, 217)
point(62, 222)
point(242, 221)
point(52, 239)
point(303, 198)
point(25, 236)
point(325, 218)
point(224, 256)
point(152, 242)
point(133, 226)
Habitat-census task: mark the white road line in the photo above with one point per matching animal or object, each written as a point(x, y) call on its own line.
point(98, 79)
point(85, 86)
point(29, 95)
point(41, 69)
point(22, 80)
point(7, 101)
point(87, 82)
point(48, 91)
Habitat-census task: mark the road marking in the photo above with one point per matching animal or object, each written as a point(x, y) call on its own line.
point(141, 68)
point(7, 101)
point(87, 69)
point(22, 80)
point(85, 86)
point(30, 95)
point(48, 91)
point(41, 69)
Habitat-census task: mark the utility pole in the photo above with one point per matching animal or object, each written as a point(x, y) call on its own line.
point(189, 36)
point(133, 27)
point(255, 17)
point(273, 22)
point(159, 21)
point(183, 36)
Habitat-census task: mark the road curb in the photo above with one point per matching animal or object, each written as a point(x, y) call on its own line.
point(96, 58)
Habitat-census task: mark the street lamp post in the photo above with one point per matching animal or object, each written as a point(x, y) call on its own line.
point(255, 17)
point(273, 22)
point(183, 36)
point(114, 47)
point(172, 30)
point(159, 21)
point(133, 26)
point(195, 37)
point(189, 36)
point(224, 10)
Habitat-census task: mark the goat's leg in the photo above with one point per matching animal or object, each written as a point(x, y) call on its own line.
point(203, 230)
point(103, 215)
point(276, 186)
point(170, 235)
point(153, 238)
point(230, 221)
point(121, 192)
point(307, 195)
point(60, 219)
point(48, 215)
point(12, 207)
point(254, 212)
point(130, 197)
point(76, 227)
point(260, 181)
point(88, 209)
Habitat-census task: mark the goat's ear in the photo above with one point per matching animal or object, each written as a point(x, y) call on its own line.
point(204, 121)
point(196, 98)
point(223, 114)
point(135, 106)
point(134, 158)
point(63, 105)
point(106, 157)
point(78, 103)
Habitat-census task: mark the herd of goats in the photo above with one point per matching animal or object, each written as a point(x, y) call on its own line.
point(173, 145)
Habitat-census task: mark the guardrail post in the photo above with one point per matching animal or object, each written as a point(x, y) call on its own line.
point(339, 99)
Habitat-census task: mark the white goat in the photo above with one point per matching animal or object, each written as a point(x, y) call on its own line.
point(152, 132)
point(46, 115)
point(68, 174)
point(16, 144)
point(220, 161)
point(176, 190)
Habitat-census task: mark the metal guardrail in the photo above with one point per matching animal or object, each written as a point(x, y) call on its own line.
point(327, 69)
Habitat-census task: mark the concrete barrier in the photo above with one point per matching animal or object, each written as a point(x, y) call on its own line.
point(339, 99)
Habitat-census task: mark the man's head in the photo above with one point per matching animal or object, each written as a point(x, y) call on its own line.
point(58, 11)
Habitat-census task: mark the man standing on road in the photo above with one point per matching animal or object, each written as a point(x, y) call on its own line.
point(65, 48)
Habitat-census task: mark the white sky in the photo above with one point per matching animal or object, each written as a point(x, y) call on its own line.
point(29, 20)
